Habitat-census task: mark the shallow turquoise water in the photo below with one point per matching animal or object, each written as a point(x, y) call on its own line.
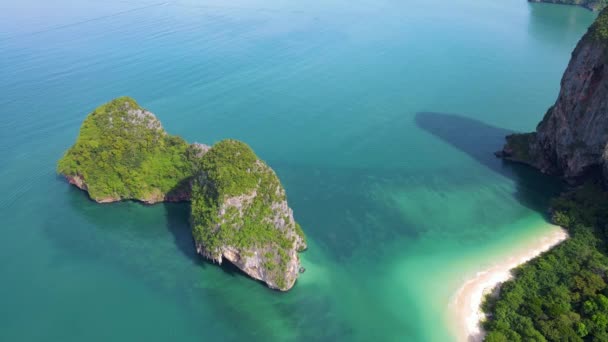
point(380, 117)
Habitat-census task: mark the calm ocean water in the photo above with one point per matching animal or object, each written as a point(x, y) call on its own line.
point(380, 117)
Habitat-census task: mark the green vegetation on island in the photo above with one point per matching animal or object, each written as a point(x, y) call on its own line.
point(562, 295)
point(239, 206)
point(599, 29)
point(122, 152)
point(519, 147)
point(239, 209)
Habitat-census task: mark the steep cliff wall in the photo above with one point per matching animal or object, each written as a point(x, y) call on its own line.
point(240, 214)
point(572, 138)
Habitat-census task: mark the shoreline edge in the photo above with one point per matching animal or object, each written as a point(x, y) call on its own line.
point(465, 306)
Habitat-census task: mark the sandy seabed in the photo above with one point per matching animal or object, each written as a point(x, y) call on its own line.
point(465, 306)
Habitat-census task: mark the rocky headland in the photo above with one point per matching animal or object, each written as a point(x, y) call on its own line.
point(571, 140)
point(553, 297)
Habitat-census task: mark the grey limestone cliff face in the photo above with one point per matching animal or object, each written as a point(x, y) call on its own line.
point(245, 219)
point(255, 261)
point(571, 140)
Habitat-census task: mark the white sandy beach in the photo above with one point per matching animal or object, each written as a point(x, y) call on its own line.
point(465, 311)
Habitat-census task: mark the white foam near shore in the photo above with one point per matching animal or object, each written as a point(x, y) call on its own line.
point(465, 306)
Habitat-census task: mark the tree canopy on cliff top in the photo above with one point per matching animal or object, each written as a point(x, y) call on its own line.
point(599, 29)
point(123, 152)
point(231, 170)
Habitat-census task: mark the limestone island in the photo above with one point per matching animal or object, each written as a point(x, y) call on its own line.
point(123, 153)
point(240, 213)
point(239, 209)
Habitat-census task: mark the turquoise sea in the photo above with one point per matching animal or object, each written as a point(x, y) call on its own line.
point(379, 116)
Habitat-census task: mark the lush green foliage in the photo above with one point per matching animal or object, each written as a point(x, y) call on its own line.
point(599, 29)
point(123, 153)
point(230, 170)
point(230, 164)
point(561, 295)
point(520, 146)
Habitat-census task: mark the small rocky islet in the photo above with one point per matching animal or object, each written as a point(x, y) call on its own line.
point(239, 209)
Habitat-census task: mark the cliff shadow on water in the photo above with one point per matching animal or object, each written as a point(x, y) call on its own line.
point(177, 215)
point(178, 224)
point(480, 141)
point(132, 236)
